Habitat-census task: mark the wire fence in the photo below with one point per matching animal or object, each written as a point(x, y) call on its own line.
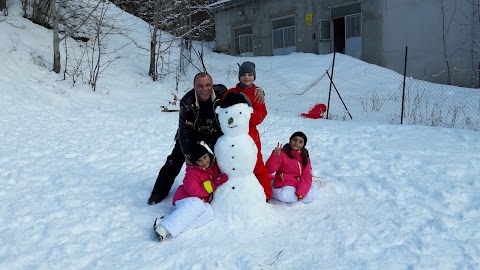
point(355, 90)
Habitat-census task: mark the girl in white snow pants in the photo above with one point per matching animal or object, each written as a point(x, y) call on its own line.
point(193, 196)
point(190, 213)
point(293, 171)
point(287, 194)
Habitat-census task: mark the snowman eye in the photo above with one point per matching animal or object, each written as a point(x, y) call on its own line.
point(226, 111)
point(240, 112)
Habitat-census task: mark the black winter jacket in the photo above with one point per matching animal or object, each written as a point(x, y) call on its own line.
point(199, 125)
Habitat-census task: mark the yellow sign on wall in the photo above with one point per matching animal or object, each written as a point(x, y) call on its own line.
point(309, 19)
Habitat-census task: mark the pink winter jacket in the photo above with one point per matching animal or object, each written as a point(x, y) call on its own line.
point(194, 182)
point(290, 172)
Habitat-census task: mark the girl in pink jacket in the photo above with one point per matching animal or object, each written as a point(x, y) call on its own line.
point(193, 196)
point(293, 171)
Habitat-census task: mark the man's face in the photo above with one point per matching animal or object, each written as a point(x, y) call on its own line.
point(203, 88)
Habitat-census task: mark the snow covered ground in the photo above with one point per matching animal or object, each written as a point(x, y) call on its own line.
point(77, 167)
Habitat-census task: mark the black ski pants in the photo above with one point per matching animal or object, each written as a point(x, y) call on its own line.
point(169, 171)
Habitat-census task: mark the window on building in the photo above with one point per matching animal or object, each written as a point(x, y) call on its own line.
point(283, 33)
point(243, 40)
point(353, 26)
point(324, 30)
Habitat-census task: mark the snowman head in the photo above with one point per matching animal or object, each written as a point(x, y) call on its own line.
point(234, 113)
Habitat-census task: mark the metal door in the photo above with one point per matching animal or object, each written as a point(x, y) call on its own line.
point(353, 35)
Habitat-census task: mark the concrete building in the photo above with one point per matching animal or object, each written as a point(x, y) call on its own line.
point(443, 36)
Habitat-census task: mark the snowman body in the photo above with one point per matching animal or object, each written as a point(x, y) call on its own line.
point(241, 199)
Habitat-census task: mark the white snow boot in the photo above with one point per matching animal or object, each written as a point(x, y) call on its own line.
point(160, 231)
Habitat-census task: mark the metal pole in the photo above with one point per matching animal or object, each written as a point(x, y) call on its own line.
point(404, 77)
point(331, 82)
point(341, 99)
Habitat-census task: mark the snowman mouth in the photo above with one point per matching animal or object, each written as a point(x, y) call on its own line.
point(232, 126)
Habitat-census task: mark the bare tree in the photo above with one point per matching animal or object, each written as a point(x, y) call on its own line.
point(101, 53)
point(24, 6)
point(186, 20)
point(3, 7)
point(164, 14)
point(179, 13)
point(64, 17)
point(463, 18)
point(71, 24)
point(77, 53)
point(56, 37)
point(476, 39)
point(197, 28)
point(450, 19)
point(39, 12)
point(152, 70)
point(472, 17)
point(446, 24)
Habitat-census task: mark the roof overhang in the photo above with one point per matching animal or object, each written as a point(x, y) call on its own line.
point(222, 4)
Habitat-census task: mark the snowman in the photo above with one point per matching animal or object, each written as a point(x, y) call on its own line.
point(241, 200)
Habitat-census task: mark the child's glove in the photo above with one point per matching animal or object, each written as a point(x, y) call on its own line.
point(222, 178)
point(211, 186)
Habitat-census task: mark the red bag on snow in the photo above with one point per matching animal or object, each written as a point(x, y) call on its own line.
point(316, 112)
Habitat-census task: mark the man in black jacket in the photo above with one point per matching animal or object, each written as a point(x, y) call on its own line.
point(197, 122)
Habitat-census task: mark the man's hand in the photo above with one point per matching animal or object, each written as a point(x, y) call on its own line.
point(259, 95)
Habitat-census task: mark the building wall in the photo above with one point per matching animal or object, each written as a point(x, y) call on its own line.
point(372, 31)
point(388, 26)
point(222, 32)
point(307, 34)
point(268, 11)
point(260, 14)
point(322, 12)
point(418, 25)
